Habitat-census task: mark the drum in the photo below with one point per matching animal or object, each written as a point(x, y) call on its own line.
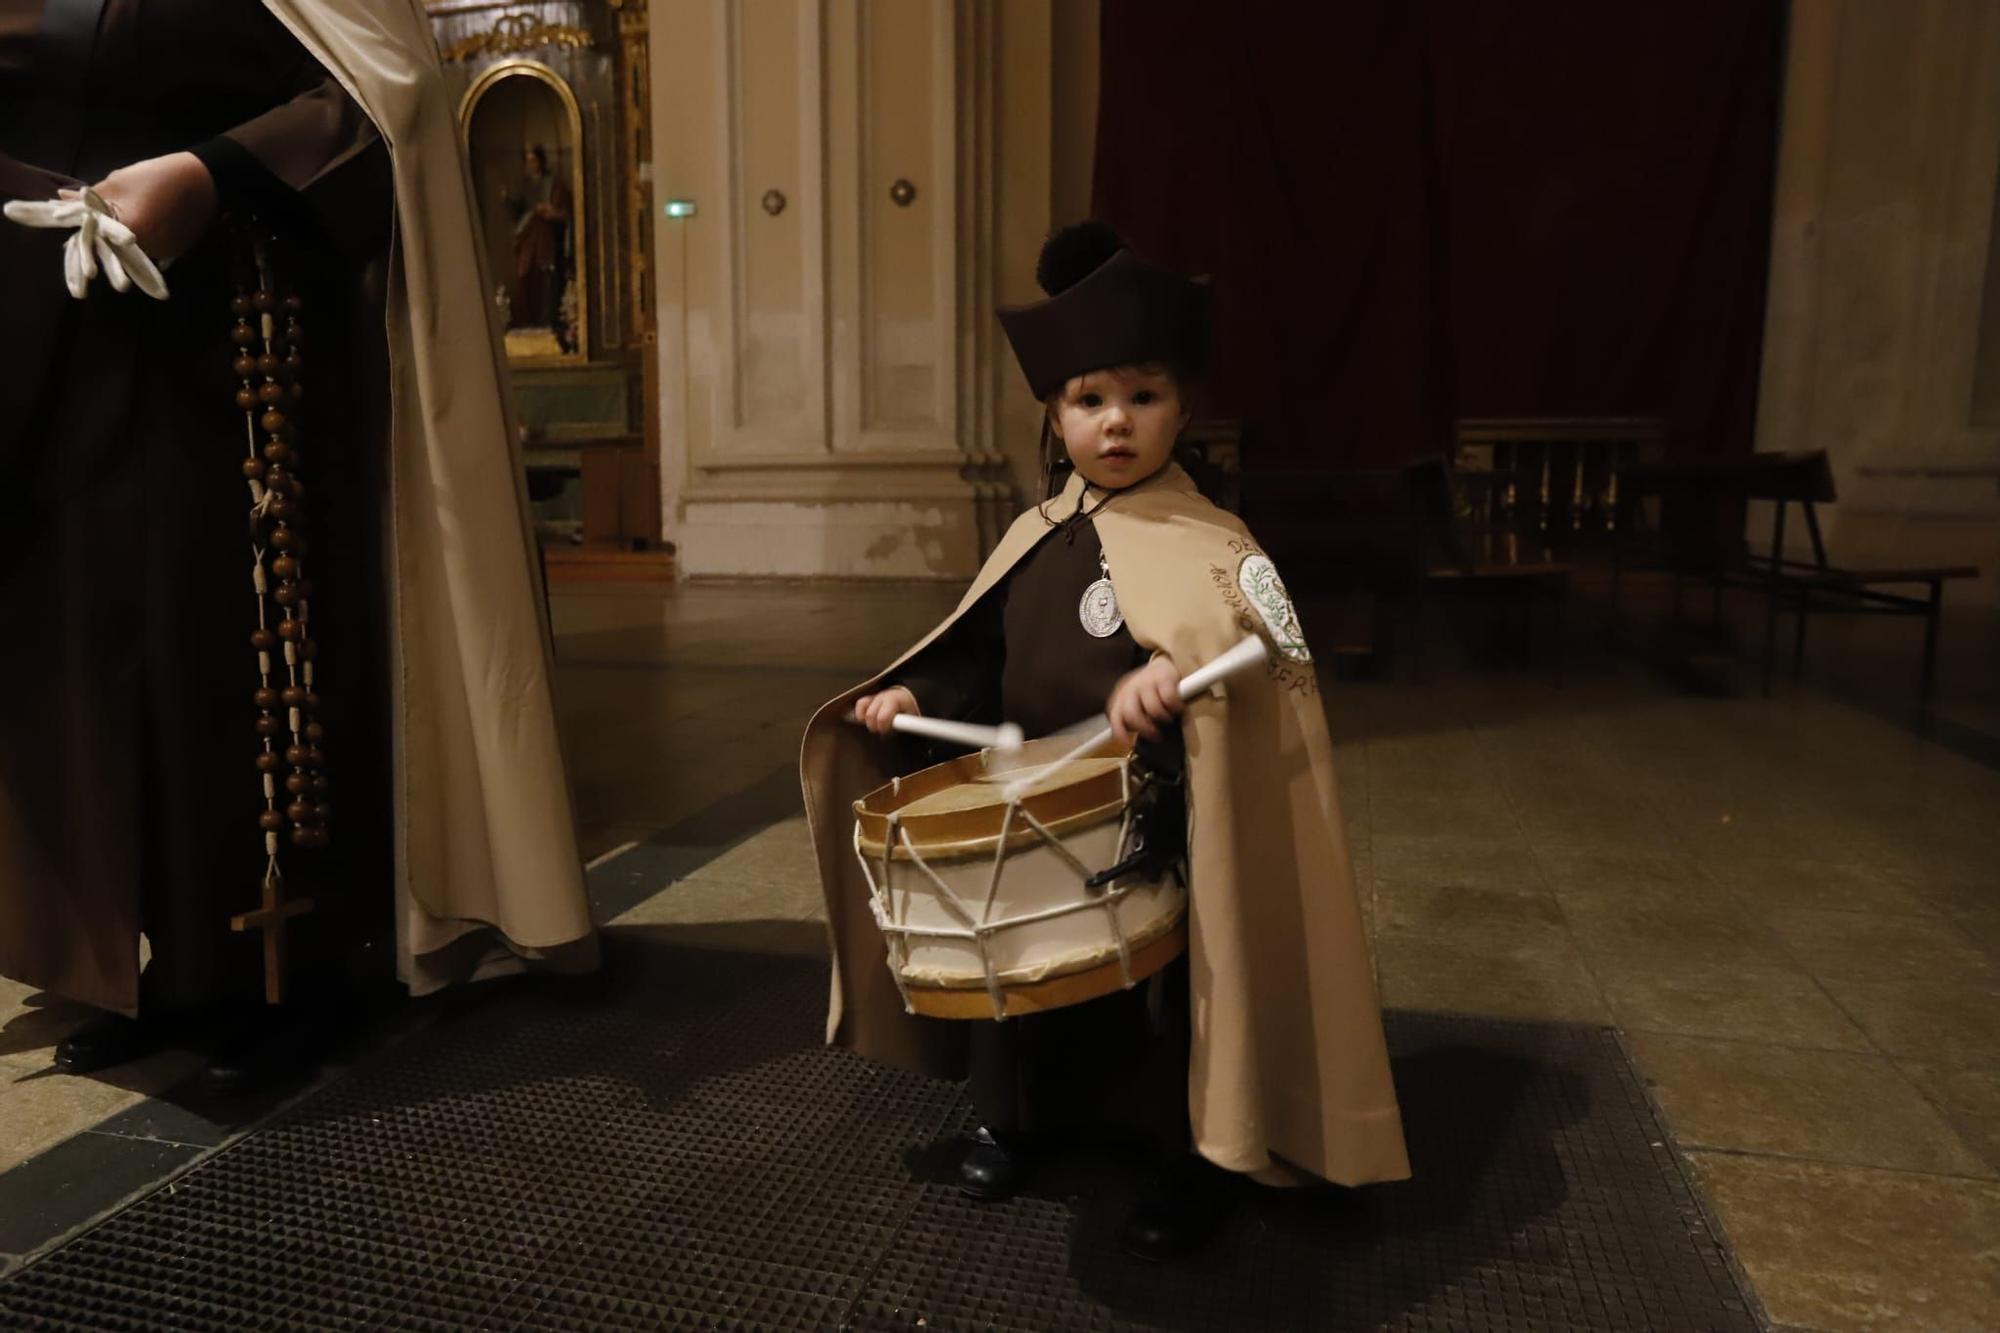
point(985, 903)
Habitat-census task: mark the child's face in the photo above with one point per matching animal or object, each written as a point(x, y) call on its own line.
point(1120, 425)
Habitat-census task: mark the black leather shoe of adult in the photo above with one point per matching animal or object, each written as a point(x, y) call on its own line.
point(1175, 1215)
point(993, 1167)
point(104, 1041)
point(262, 1050)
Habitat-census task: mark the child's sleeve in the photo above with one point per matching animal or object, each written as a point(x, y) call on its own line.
point(958, 677)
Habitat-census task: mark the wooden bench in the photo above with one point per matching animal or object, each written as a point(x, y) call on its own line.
point(1697, 534)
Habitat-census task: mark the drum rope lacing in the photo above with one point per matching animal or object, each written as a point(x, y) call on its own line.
point(978, 932)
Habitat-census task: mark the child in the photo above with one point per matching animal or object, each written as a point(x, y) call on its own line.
point(1264, 1051)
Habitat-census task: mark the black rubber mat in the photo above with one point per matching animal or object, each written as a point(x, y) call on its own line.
point(673, 1149)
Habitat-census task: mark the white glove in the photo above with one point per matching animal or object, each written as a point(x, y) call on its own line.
point(101, 241)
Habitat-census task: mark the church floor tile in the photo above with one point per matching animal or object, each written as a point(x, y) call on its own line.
point(1794, 834)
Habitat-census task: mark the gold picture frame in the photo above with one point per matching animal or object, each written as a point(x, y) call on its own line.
point(546, 296)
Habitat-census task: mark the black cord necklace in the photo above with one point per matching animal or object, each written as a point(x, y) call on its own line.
point(1068, 526)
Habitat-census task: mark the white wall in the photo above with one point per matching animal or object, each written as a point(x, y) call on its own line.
point(1880, 247)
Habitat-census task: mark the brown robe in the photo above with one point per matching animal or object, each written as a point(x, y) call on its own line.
point(124, 735)
point(1288, 1066)
point(127, 797)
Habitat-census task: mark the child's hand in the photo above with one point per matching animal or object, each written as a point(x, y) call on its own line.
point(1143, 700)
point(877, 712)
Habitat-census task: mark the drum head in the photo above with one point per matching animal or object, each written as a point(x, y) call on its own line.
point(959, 808)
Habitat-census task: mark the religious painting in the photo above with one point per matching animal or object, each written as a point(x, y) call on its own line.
point(523, 137)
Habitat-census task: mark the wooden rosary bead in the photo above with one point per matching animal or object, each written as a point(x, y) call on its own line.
point(309, 649)
point(263, 640)
point(294, 488)
point(245, 365)
point(278, 451)
point(264, 302)
point(315, 731)
point(295, 755)
point(295, 335)
point(272, 392)
point(283, 537)
point(299, 811)
point(240, 306)
point(293, 695)
point(267, 726)
point(265, 697)
point(268, 363)
point(283, 510)
point(291, 630)
point(246, 399)
point(298, 390)
point(294, 305)
point(298, 784)
point(267, 761)
point(270, 821)
point(272, 421)
point(295, 361)
point(322, 812)
point(322, 784)
point(285, 567)
point(312, 702)
point(253, 468)
point(287, 594)
point(302, 837)
point(314, 756)
point(243, 335)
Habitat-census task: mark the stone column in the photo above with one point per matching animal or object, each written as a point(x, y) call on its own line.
point(1882, 250)
point(869, 180)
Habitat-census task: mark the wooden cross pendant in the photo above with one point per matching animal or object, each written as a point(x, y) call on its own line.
point(271, 919)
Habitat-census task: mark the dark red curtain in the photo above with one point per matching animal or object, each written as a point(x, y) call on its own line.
point(1418, 210)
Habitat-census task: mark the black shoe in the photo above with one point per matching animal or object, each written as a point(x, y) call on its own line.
point(263, 1050)
point(1176, 1213)
point(993, 1167)
point(106, 1040)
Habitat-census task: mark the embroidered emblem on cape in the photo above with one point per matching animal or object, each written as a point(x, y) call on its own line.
point(1258, 578)
point(1098, 610)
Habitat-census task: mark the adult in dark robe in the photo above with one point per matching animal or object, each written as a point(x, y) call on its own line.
point(128, 803)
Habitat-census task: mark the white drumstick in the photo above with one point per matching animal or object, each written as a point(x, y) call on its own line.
point(1249, 653)
point(1006, 737)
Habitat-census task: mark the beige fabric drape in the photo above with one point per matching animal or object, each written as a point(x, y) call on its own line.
point(488, 873)
point(1289, 1069)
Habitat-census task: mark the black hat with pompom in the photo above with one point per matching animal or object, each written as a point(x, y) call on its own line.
point(1105, 307)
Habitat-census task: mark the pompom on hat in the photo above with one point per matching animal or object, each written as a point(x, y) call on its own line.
point(1105, 307)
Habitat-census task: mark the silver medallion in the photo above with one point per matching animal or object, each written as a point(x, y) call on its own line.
point(1099, 608)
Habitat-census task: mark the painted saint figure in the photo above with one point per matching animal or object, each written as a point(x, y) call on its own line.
point(541, 211)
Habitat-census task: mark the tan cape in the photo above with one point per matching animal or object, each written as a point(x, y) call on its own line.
point(1288, 1067)
point(487, 870)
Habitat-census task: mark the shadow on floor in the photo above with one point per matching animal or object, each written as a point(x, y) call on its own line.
point(673, 1143)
